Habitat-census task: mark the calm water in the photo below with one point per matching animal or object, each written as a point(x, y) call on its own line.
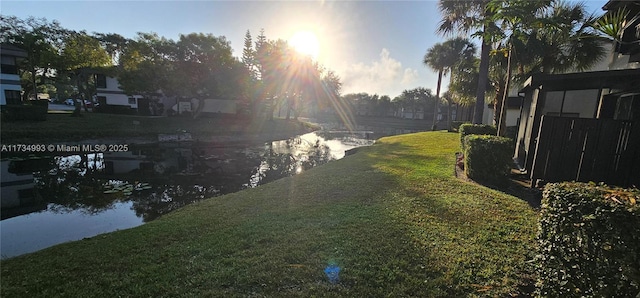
point(47, 200)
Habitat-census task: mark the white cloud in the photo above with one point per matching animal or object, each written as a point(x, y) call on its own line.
point(384, 76)
point(410, 76)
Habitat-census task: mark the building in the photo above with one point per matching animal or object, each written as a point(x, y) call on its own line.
point(109, 93)
point(585, 126)
point(513, 112)
point(11, 90)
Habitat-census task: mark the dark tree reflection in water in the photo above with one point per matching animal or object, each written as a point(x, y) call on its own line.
point(144, 183)
point(174, 176)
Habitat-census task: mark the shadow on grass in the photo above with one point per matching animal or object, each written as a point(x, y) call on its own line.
point(513, 186)
point(469, 234)
point(532, 196)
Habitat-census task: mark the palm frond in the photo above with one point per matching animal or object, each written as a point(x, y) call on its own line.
point(612, 24)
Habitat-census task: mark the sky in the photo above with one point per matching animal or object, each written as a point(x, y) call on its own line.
point(374, 46)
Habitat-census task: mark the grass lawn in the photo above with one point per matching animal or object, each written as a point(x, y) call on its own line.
point(392, 217)
point(62, 127)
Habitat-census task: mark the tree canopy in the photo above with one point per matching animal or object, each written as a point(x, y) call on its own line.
point(534, 36)
point(196, 66)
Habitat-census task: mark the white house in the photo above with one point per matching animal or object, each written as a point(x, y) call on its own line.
point(108, 92)
point(10, 89)
point(405, 113)
point(513, 111)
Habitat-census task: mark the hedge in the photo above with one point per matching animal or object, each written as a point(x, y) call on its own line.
point(455, 125)
point(475, 129)
point(28, 112)
point(487, 158)
point(116, 109)
point(589, 241)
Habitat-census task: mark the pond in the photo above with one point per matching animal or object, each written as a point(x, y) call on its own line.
point(47, 200)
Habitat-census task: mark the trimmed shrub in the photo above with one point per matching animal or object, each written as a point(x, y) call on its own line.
point(455, 125)
point(589, 241)
point(475, 129)
point(26, 112)
point(40, 103)
point(116, 109)
point(487, 158)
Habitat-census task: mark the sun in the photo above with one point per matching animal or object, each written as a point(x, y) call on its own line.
point(306, 43)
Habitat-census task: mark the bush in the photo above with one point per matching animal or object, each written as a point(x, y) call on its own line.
point(40, 103)
point(487, 158)
point(26, 112)
point(589, 241)
point(455, 125)
point(116, 109)
point(475, 129)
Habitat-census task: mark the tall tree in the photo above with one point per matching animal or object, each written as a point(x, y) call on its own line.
point(323, 92)
point(514, 18)
point(437, 58)
point(471, 16)
point(542, 37)
point(443, 57)
point(201, 62)
point(146, 65)
point(291, 80)
point(81, 57)
point(113, 43)
point(462, 54)
point(42, 40)
point(260, 52)
point(416, 99)
point(384, 106)
point(566, 41)
point(248, 54)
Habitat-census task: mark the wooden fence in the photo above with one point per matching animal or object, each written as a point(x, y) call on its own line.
point(598, 150)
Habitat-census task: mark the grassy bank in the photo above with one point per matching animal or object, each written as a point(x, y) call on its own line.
point(63, 127)
point(392, 217)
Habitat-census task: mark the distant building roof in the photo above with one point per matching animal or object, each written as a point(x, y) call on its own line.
point(584, 80)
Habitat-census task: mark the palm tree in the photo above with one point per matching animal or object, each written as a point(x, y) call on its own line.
point(471, 16)
point(464, 83)
point(514, 18)
point(612, 25)
point(438, 59)
point(541, 36)
point(462, 53)
point(443, 57)
point(563, 40)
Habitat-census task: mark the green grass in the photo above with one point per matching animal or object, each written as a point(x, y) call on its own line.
point(392, 216)
point(62, 127)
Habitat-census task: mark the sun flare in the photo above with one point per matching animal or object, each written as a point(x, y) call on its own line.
point(306, 43)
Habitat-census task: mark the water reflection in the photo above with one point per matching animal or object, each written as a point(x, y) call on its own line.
point(142, 184)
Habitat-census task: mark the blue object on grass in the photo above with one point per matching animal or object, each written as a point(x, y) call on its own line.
point(332, 272)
